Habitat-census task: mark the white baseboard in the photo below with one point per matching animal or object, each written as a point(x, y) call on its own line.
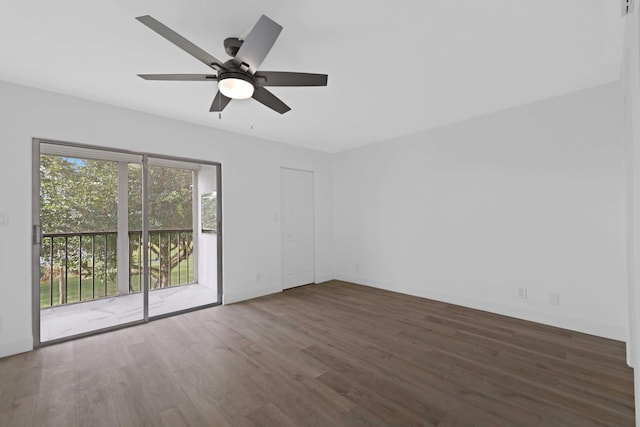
point(322, 279)
point(229, 297)
point(17, 346)
point(601, 329)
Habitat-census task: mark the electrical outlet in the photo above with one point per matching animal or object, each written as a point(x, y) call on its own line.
point(554, 298)
point(357, 267)
point(4, 219)
point(258, 277)
point(522, 293)
point(627, 6)
point(0, 324)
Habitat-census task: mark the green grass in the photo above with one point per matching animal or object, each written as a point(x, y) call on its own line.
point(73, 290)
point(73, 285)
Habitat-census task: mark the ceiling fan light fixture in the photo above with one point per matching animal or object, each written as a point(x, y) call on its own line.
point(235, 87)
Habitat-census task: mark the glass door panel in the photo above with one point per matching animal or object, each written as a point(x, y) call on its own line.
point(84, 202)
point(183, 260)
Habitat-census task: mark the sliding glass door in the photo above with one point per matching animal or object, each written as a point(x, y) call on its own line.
point(180, 275)
point(120, 238)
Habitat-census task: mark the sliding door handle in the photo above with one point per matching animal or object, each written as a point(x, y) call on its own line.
point(37, 234)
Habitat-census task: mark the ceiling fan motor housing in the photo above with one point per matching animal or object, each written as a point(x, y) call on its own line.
point(232, 45)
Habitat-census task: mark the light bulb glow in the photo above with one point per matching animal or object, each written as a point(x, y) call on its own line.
point(235, 88)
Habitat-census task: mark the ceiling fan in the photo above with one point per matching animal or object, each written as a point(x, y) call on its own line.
point(238, 78)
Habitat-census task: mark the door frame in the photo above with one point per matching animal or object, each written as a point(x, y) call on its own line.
point(36, 236)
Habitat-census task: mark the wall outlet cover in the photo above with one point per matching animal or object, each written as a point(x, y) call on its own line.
point(522, 293)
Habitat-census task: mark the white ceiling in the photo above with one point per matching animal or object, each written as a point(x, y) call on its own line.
point(394, 68)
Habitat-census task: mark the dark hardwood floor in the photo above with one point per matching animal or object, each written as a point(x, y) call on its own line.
point(334, 354)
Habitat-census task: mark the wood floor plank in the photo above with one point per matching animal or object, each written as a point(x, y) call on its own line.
point(231, 375)
point(18, 412)
point(271, 415)
point(307, 400)
point(133, 405)
point(334, 354)
point(101, 413)
point(182, 415)
point(161, 385)
point(207, 398)
point(24, 382)
point(56, 404)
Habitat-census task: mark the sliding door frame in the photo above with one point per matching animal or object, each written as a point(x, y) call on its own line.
point(37, 236)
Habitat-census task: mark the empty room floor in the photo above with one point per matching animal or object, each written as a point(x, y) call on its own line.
point(334, 354)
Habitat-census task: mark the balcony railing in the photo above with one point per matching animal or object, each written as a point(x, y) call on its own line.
point(77, 267)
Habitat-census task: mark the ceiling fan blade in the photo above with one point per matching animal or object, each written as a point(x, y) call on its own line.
point(265, 97)
point(180, 77)
point(283, 78)
point(219, 103)
point(258, 43)
point(180, 41)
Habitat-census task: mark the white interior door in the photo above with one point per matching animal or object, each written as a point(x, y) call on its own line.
point(297, 228)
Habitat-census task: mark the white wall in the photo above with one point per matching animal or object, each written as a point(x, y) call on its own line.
point(630, 78)
point(250, 184)
point(530, 197)
point(207, 242)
